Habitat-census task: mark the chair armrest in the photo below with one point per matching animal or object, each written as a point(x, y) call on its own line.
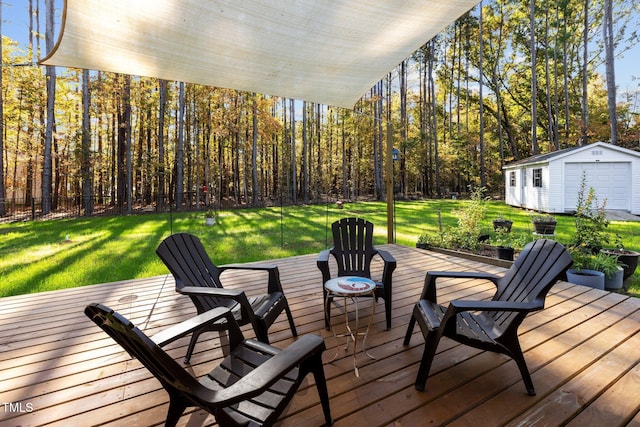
point(323, 264)
point(464, 275)
point(256, 267)
point(211, 292)
point(468, 305)
point(429, 289)
point(323, 257)
point(186, 327)
point(386, 256)
point(389, 266)
point(273, 284)
point(265, 375)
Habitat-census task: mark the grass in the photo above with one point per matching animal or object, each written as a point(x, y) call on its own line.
point(48, 255)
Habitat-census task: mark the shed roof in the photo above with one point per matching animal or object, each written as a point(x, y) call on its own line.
point(554, 155)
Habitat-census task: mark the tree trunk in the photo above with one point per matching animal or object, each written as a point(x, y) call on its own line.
point(585, 76)
point(87, 199)
point(294, 181)
point(404, 123)
point(434, 117)
point(607, 30)
point(345, 171)
point(179, 188)
point(550, 117)
point(3, 210)
point(127, 141)
point(50, 71)
point(161, 114)
point(483, 175)
point(534, 80)
point(254, 153)
point(305, 149)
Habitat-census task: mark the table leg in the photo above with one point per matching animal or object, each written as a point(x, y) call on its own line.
point(350, 333)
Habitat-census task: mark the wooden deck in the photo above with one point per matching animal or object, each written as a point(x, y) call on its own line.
point(57, 368)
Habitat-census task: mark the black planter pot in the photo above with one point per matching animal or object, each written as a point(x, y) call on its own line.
point(505, 253)
point(502, 224)
point(545, 227)
point(629, 260)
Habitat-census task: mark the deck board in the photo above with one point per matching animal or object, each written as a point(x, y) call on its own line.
point(583, 351)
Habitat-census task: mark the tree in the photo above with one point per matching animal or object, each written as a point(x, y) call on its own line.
point(160, 168)
point(483, 177)
point(294, 181)
point(2, 174)
point(254, 150)
point(607, 35)
point(179, 188)
point(534, 80)
point(47, 170)
point(585, 76)
point(87, 196)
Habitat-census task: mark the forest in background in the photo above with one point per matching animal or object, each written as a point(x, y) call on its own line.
point(505, 81)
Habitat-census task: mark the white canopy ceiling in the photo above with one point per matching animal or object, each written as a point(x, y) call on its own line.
point(326, 51)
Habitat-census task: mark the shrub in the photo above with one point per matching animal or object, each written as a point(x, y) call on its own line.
point(591, 221)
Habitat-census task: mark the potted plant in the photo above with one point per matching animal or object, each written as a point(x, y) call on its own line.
point(628, 259)
point(508, 243)
point(593, 269)
point(582, 273)
point(501, 223)
point(544, 224)
point(610, 266)
point(209, 217)
point(423, 241)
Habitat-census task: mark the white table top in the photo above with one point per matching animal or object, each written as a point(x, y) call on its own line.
point(350, 286)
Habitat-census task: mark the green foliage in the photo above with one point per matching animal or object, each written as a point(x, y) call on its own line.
point(600, 262)
point(516, 240)
point(469, 227)
point(464, 235)
point(591, 221)
point(540, 217)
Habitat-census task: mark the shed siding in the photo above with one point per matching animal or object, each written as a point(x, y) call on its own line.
point(512, 193)
point(635, 187)
point(536, 198)
point(556, 188)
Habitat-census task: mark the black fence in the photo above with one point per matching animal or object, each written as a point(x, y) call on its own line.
point(73, 207)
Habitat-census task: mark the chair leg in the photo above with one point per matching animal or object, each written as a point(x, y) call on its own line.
point(291, 324)
point(407, 336)
point(321, 384)
point(260, 329)
point(176, 408)
point(518, 357)
point(327, 312)
point(430, 346)
point(387, 309)
point(192, 345)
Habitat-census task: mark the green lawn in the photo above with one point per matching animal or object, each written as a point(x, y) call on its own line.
point(47, 255)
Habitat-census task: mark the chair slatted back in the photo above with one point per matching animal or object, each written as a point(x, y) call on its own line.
point(187, 260)
point(140, 346)
point(538, 267)
point(353, 246)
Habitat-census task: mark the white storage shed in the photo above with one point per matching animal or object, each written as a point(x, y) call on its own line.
point(550, 182)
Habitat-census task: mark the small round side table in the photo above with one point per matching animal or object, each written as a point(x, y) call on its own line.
point(351, 287)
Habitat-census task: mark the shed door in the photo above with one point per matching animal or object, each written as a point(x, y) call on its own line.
point(611, 181)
